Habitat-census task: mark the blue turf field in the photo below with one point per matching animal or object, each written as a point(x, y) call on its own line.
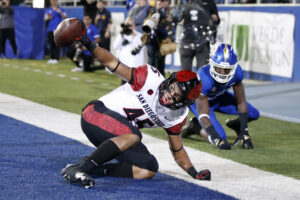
point(31, 159)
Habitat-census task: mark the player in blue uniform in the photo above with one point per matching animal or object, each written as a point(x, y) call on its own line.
point(222, 73)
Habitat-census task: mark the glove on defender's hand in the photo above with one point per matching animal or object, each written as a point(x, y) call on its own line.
point(246, 140)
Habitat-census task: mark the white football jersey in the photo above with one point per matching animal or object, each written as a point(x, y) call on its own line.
point(138, 101)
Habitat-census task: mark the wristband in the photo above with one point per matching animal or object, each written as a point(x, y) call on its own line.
point(243, 122)
point(192, 172)
point(212, 132)
point(177, 150)
point(91, 46)
point(115, 69)
point(203, 115)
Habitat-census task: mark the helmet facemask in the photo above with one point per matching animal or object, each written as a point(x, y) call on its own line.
point(188, 85)
point(222, 78)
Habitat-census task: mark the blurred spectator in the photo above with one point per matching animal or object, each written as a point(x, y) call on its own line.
point(103, 22)
point(197, 16)
point(90, 8)
point(157, 36)
point(7, 29)
point(78, 53)
point(138, 13)
point(275, 1)
point(243, 1)
point(53, 16)
point(129, 4)
point(118, 3)
point(125, 44)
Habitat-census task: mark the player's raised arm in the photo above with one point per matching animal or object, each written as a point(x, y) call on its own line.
point(182, 159)
point(106, 58)
point(72, 29)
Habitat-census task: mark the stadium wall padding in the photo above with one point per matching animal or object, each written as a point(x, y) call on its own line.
point(29, 30)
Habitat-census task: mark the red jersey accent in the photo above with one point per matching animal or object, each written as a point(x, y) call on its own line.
point(176, 130)
point(104, 121)
point(139, 77)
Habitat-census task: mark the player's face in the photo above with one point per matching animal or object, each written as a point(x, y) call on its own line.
point(222, 70)
point(171, 94)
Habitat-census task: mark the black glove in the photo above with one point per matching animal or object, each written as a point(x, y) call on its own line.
point(215, 139)
point(246, 140)
point(201, 175)
point(84, 39)
point(204, 175)
point(224, 144)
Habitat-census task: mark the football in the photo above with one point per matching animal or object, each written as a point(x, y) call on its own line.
point(67, 31)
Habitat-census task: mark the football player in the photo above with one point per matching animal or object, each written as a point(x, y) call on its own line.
point(113, 121)
point(222, 73)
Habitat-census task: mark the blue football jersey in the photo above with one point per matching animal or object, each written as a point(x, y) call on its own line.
point(213, 89)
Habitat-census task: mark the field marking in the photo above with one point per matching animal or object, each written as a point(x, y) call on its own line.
point(74, 78)
point(61, 75)
point(48, 73)
point(232, 178)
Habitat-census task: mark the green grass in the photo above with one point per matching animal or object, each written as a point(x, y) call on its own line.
point(277, 146)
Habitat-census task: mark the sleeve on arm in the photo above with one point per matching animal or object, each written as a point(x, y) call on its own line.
point(176, 130)
point(139, 77)
point(239, 76)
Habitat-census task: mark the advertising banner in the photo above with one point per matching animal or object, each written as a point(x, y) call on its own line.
point(264, 41)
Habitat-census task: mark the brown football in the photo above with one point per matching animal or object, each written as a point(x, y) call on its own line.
point(67, 31)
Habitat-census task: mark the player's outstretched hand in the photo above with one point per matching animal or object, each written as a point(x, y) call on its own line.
point(84, 39)
point(246, 141)
point(204, 175)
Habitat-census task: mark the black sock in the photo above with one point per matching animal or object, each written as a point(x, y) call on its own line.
point(120, 169)
point(105, 152)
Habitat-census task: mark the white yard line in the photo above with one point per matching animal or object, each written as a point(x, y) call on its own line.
point(237, 180)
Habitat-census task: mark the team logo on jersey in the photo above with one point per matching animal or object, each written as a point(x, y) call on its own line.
point(149, 111)
point(150, 92)
point(213, 89)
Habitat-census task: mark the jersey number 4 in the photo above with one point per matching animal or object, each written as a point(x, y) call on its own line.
point(132, 114)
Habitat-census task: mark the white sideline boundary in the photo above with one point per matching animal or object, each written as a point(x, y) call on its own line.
point(231, 178)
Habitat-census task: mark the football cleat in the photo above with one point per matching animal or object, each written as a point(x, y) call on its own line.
point(193, 128)
point(73, 175)
point(234, 124)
